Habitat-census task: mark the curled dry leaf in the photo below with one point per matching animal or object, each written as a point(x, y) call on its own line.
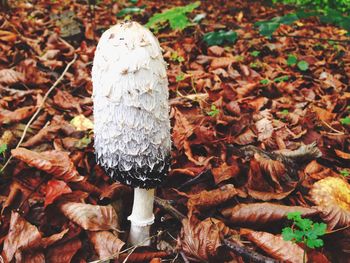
point(48, 241)
point(10, 76)
point(63, 253)
point(275, 246)
point(260, 188)
point(225, 172)
point(140, 257)
point(91, 217)
point(54, 189)
point(106, 244)
point(332, 197)
point(56, 163)
point(342, 154)
point(262, 213)
point(207, 199)
point(199, 240)
point(22, 236)
point(18, 115)
point(182, 130)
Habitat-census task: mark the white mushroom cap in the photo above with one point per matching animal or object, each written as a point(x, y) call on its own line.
point(131, 110)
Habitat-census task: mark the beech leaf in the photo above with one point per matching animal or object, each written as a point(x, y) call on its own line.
point(54, 189)
point(91, 217)
point(106, 244)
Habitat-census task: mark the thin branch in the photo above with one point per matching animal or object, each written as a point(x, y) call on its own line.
point(39, 108)
point(166, 205)
point(247, 254)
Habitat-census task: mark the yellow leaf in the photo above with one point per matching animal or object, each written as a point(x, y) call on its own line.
point(298, 23)
point(81, 123)
point(342, 32)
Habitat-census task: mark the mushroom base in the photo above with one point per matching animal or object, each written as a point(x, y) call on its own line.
point(142, 177)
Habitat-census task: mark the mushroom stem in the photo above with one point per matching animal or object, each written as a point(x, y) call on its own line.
point(142, 217)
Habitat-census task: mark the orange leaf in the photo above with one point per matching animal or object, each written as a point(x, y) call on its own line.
point(342, 154)
point(56, 163)
point(140, 257)
point(182, 130)
point(106, 244)
point(262, 213)
point(275, 246)
point(54, 189)
point(7, 36)
point(10, 76)
point(91, 217)
point(21, 236)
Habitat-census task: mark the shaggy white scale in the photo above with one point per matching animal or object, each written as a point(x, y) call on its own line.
point(131, 112)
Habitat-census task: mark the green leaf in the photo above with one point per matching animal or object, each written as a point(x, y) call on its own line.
point(255, 53)
point(294, 215)
point(220, 37)
point(287, 234)
point(176, 57)
point(285, 112)
point(214, 111)
point(345, 121)
point(180, 77)
point(176, 17)
point(303, 65)
point(304, 224)
point(313, 243)
point(319, 229)
point(292, 60)
point(345, 173)
point(281, 79)
point(130, 10)
point(264, 81)
point(3, 148)
point(267, 28)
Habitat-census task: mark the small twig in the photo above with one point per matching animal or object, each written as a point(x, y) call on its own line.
point(248, 254)
point(165, 204)
point(331, 128)
point(184, 257)
point(39, 108)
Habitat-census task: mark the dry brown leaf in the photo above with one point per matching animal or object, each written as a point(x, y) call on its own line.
point(18, 115)
point(141, 257)
point(225, 172)
point(65, 100)
point(342, 154)
point(10, 76)
point(22, 236)
point(264, 128)
point(106, 244)
point(199, 240)
point(7, 36)
point(275, 246)
point(247, 137)
point(91, 217)
point(182, 130)
point(54, 189)
point(207, 199)
point(63, 253)
point(332, 196)
point(323, 114)
point(56, 163)
point(36, 257)
point(48, 241)
point(262, 213)
point(221, 62)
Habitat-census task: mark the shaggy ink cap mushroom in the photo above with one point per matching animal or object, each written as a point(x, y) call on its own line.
point(131, 111)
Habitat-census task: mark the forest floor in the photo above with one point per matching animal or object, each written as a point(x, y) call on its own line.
point(260, 132)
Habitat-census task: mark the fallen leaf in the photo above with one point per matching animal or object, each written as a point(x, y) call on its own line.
point(262, 213)
point(221, 62)
point(91, 217)
point(18, 115)
point(225, 172)
point(81, 123)
point(48, 241)
point(332, 197)
point(21, 236)
point(56, 163)
point(10, 76)
point(275, 246)
point(181, 131)
point(63, 253)
point(199, 240)
point(140, 257)
point(106, 244)
point(54, 189)
point(342, 154)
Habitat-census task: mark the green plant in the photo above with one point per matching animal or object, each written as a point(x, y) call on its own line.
point(176, 17)
point(292, 60)
point(180, 77)
point(264, 81)
point(345, 121)
point(345, 173)
point(176, 57)
point(130, 10)
point(220, 37)
point(3, 148)
point(281, 79)
point(303, 65)
point(213, 111)
point(285, 112)
point(340, 5)
point(255, 53)
point(304, 230)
